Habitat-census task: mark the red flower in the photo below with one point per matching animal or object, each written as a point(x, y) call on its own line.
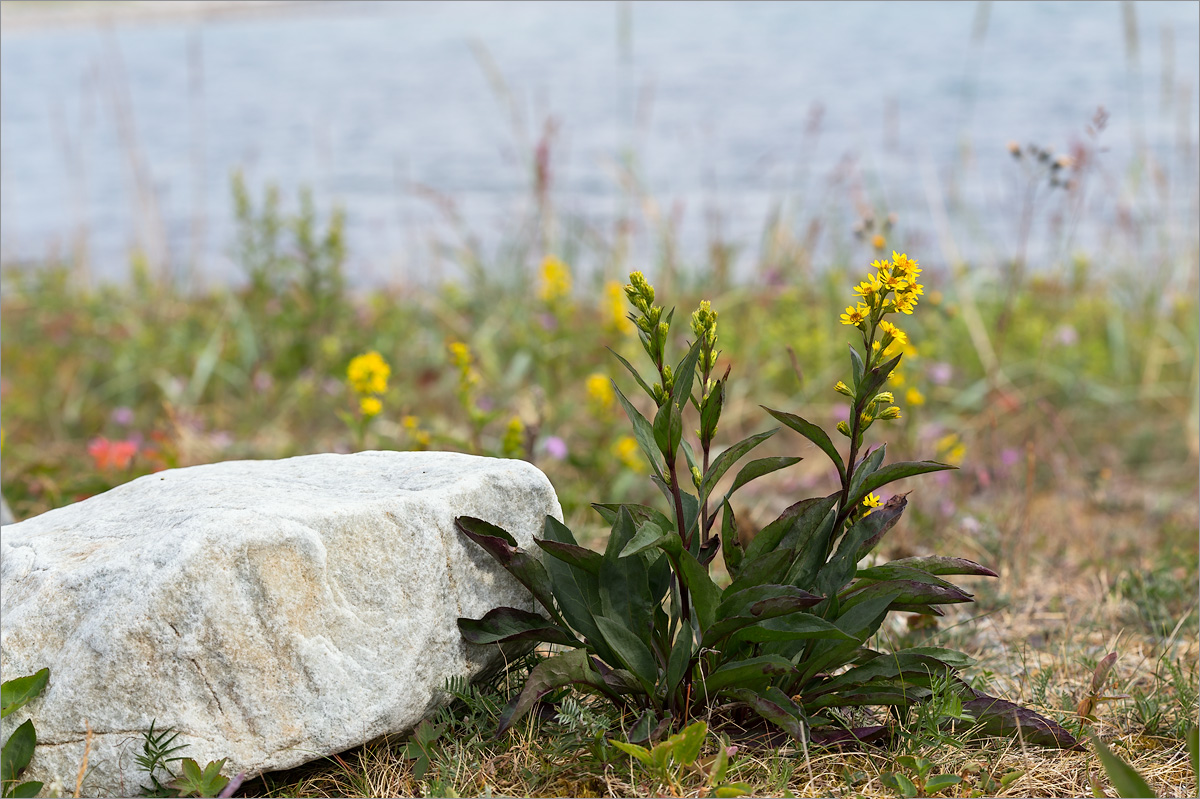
point(112, 454)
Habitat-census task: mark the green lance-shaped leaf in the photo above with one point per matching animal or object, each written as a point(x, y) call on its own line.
point(640, 752)
point(769, 568)
point(17, 692)
point(569, 668)
point(940, 782)
point(813, 433)
point(668, 429)
point(685, 375)
point(860, 623)
point(643, 433)
point(754, 673)
point(571, 554)
point(756, 600)
point(649, 535)
point(17, 752)
point(775, 706)
point(723, 462)
point(645, 386)
point(781, 618)
point(760, 467)
point(795, 626)
point(710, 411)
point(640, 513)
point(577, 591)
point(631, 651)
point(1193, 746)
point(794, 527)
point(833, 576)
point(908, 592)
point(500, 625)
point(909, 666)
point(935, 564)
point(868, 695)
point(520, 564)
point(624, 584)
point(680, 659)
point(1124, 777)
point(856, 372)
point(731, 545)
point(867, 466)
point(891, 473)
point(26, 790)
point(874, 378)
point(894, 571)
point(704, 592)
point(1001, 718)
point(951, 657)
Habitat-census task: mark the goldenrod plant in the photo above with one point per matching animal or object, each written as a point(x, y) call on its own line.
point(791, 638)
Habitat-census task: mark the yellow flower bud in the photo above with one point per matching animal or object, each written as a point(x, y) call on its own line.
point(891, 412)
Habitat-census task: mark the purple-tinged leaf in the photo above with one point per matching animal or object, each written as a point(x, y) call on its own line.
point(825, 736)
point(1002, 718)
point(942, 565)
point(500, 625)
point(528, 570)
point(572, 554)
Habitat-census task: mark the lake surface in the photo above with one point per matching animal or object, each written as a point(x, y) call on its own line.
point(728, 108)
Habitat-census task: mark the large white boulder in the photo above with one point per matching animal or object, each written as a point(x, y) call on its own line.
point(271, 611)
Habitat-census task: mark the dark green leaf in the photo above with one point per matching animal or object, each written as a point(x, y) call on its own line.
point(17, 752)
point(873, 380)
point(794, 528)
point(756, 600)
point(941, 565)
point(951, 657)
point(908, 592)
point(868, 465)
point(1124, 777)
point(841, 568)
point(577, 591)
point(572, 554)
point(754, 673)
point(710, 411)
point(668, 429)
point(685, 376)
point(643, 433)
point(774, 706)
point(647, 537)
point(680, 659)
point(1001, 718)
point(730, 543)
point(813, 433)
point(17, 692)
point(513, 624)
point(869, 695)
point(569, 668)
point(856, 370)
point(760, 467)
point(520, 564)
point(640, 513)
point(705, 594)
point(632, 653)
point(26, 790)
point(887, 667)
point(893, 472)
point(634, 372)
point(895, 571)
point(860, 623)
point(625, 586)
point(790, 626)
point(900, 783)
point(730, 456)
point(769, 568)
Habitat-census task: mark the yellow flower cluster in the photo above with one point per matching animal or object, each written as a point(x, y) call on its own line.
point(368, 376)
point(420, 438)
point(513, 443)
point(891, 288)
point(554, 281)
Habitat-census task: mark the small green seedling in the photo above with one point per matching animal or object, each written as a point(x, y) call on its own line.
point(194, 781)
point(921, 783)
point(668, 758)
point(421, 747)
point(18, 749)
point(197, 782)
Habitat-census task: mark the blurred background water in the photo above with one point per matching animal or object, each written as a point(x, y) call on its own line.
point(123, 135)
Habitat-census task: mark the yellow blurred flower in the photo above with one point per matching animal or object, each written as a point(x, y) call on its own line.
point(878, 241)
point(615, 318)
point(914, 397)
point(626, 450)
point(554, 280)
point(460, 354)
point(368, 373)
point(513, 443)
point(951, 449)
point(370, 406)
point(600, 393)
